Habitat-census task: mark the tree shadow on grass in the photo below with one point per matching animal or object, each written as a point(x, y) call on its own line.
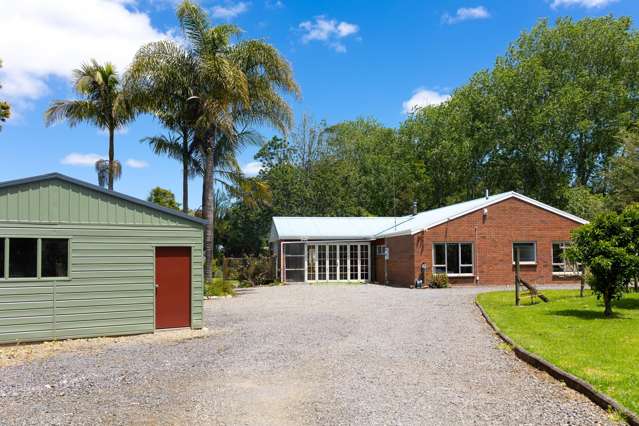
point(586, 314)
point(626, 303)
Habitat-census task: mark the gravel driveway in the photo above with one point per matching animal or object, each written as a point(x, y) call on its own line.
point(302, 355)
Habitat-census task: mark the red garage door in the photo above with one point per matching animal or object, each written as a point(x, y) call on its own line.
point(173, 287)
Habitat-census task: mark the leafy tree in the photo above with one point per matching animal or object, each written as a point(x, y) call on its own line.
point(103, 170)
point(5, 109)
point(104, 103)
point(163, 197)
point(582, 202)
point(623, 177)
point(607, 246)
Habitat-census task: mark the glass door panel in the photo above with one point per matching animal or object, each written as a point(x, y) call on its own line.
point(343, 262)
point(321, 263)
point(363, 259)
point(354, 262)
point(311, 258)
point(332, 262)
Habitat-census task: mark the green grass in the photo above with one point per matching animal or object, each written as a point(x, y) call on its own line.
point(220, 287)
point(572, 333)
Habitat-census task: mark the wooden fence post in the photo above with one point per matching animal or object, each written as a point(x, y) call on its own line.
point(517, 276)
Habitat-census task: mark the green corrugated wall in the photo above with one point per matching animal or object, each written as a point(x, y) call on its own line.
point(111, 289)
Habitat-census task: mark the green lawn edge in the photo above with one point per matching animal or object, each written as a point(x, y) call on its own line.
point(571, 333)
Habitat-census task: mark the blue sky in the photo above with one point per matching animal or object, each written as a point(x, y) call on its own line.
point(351, 58)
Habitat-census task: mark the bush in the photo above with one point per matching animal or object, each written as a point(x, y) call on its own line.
point(219, 287)
point(608, 247)
point(439, 281)
point(250, 271)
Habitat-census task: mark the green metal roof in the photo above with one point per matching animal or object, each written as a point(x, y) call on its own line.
point(128, 198)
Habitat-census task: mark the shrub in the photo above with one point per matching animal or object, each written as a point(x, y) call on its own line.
point(439, 281)
point(250, 271)
point(219, 287)
point(607, 246)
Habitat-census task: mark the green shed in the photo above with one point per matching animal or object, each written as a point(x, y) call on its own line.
point(79, 261)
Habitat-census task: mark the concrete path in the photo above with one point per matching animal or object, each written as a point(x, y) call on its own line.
point(296, 355)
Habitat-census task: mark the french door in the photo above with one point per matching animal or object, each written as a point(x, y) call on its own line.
point(337, 262)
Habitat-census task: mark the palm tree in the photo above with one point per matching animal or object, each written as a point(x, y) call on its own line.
point(161, 80)
point(215, 86)
point(102, 169)
point(103, 103)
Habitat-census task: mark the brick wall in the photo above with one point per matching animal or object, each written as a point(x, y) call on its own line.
point(492, 237)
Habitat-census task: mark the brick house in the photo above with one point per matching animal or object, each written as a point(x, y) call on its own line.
point(472, 242)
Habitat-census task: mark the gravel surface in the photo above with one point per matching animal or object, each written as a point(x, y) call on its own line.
point(301, 355)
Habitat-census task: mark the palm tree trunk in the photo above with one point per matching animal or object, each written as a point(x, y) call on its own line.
point(185, 171)
point(209, 208)
point(111, 156)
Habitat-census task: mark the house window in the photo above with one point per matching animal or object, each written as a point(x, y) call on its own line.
point(561, 265)
point(23, 257)
point(527, 253)
point(453, 258)
point(380, 250)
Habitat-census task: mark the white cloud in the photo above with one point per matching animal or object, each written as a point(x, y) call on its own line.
point(85, 160)
point(328, 31)
point(422, 98)
point(466, 14)
point(589, 4)
point(252, 169)
point(231, 10)
point(53, 37)
point(137, 164)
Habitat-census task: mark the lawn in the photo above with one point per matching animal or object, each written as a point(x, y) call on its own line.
point(572, 333)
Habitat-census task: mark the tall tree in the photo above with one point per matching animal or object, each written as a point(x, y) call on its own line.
point(5, 109)
point(623, 174)
point(163, 79)
point(103, 170)
point(242, 83)
point(103, 103)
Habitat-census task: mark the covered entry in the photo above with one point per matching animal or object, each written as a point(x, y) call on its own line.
point(326, 261)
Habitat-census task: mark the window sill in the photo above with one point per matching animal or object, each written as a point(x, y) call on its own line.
point(33, 280)
point(526, 263)
point(460, 275)
point(566, 274)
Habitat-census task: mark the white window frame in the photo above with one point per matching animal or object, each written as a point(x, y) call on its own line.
point(342, 245)
point(380, 250)
point(458, 243)
point(565, 262)
point(527, 262)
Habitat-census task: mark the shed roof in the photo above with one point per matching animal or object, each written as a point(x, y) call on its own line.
point(381, 227)
point(128, 198)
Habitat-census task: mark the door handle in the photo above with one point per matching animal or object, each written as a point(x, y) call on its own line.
point(157, 286)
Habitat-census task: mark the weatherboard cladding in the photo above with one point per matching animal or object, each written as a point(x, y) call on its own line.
point(110, 290)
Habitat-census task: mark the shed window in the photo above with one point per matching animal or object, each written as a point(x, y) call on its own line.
point(23, 257)
point(527, 252)
point(453, 258)
point(1, 258)
point(55, 257)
